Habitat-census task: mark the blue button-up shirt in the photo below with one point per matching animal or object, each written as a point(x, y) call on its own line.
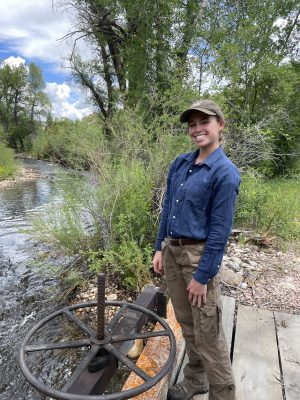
point(199, 204)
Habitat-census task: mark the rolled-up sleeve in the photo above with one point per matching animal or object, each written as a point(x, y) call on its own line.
point(224, 193)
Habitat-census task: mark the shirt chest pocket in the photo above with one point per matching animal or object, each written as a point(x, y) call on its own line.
point(198, 193)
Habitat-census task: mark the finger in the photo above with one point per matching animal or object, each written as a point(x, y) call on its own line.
point(204, 298)
point(195, 300)
point(199, 301)
point(156, 267)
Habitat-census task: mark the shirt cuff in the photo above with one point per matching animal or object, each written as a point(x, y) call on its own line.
point(209, 266)
point(158, 243)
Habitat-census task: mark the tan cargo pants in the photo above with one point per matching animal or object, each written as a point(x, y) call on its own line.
point(201, 327)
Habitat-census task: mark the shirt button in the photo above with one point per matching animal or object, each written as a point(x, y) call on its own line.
point(181, 184)
point(171, 233)
point(177, 201)
point(190, 170)
point(174, 216)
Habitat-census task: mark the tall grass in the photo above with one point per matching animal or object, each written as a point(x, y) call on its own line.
point(269, 206)
point(7, 164)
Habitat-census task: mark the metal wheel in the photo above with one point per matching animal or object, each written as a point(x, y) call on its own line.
point(107, 342)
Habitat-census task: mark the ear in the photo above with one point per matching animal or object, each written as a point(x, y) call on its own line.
point(221, 123)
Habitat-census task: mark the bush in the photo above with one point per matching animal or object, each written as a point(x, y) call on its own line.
point(251, 201)
point(128, 259)
point(74, 143)
point(7, 163)
point(269, 206)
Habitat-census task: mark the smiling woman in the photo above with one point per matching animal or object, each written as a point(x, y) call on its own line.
point(196, 221)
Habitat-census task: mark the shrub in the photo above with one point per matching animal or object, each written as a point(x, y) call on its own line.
point(269, 206)
point(7, 164)
point(251, 201)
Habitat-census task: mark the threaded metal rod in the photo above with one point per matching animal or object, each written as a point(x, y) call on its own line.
point(101, 307)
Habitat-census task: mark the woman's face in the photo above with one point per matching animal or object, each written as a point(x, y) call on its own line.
point(204, 130)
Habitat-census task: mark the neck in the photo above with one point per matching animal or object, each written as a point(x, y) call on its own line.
point(205, 152)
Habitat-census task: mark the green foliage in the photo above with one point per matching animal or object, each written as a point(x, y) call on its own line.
point(251, 201)
point(128, 259)
point(122, 200)
point(282, 209)
point(140, 47)
point(269, 206)
point(22, 102)
point(7, 164)
point(74, 143)
point(64, 225)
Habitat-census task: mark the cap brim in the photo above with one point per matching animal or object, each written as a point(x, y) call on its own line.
point(185, 115)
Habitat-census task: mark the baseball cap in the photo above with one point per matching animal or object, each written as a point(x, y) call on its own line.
point(206, 106)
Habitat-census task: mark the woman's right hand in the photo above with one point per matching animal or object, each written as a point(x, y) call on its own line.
point(158, 263)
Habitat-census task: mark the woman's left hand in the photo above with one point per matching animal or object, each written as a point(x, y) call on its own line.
point(197, 293)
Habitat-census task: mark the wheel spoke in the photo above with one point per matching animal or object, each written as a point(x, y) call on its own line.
point(117, 317)
point(78, 322)
point(61, 345)
point(133, 336)
point(125, 360)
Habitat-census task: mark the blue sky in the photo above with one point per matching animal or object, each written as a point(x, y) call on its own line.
point(30, 32)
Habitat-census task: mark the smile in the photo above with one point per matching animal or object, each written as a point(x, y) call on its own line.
point(200, 136)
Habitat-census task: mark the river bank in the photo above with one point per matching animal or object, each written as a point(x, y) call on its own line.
point(24, 174)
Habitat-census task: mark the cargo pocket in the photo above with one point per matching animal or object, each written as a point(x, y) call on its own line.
point(209, 322)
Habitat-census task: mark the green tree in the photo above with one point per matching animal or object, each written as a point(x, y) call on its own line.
point(37, 101)
point(22, 101)
point(139, 47)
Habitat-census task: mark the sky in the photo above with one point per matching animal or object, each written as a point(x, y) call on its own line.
point(30, 31)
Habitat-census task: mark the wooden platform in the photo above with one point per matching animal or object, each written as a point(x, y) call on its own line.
point(265, 348)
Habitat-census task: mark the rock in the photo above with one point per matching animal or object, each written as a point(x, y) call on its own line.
point(136, 349)
point(252, 263)
point(243, 285)
point(238, 250)
point(287, 286)
point(234, 266)
point(112, 297)
point(236, 260)
point(244, 265)
point(231, 278)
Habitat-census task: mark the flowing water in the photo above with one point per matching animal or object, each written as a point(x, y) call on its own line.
point(26, 293)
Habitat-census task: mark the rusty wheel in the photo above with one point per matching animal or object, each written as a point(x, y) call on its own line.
point(107, 342)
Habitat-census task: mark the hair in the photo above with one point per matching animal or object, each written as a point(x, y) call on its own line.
point(221, 133)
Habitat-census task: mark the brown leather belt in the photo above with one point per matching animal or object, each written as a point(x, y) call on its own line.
point(182, 242)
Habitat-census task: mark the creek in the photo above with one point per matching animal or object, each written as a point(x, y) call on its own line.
point(27, 293)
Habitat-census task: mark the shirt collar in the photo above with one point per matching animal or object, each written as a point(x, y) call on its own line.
point(210, 160)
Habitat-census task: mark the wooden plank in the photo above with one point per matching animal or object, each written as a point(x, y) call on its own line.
point(288, 330)
point(255, 356)
point(227, 317)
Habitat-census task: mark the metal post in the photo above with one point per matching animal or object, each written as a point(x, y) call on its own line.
point(101, 307)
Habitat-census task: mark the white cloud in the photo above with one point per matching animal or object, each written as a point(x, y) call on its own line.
point(14, 61)
point(31, 31)
point(63, 104)
point(32, 28)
